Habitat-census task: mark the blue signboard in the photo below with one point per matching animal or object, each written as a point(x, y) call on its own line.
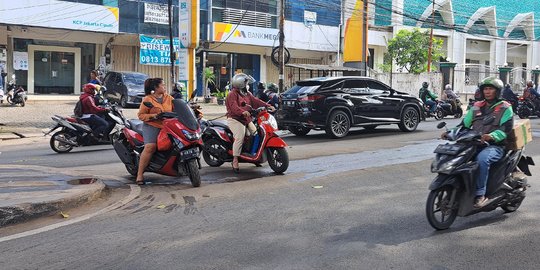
point(156, 51)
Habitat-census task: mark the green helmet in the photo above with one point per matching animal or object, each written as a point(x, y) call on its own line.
point(493, 82)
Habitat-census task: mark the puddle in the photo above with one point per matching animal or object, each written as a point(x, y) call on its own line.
point(83, 181)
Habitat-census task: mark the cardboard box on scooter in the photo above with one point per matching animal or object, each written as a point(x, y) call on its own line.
point(521, 134)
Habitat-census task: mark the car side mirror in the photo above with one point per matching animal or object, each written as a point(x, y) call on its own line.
point(148, 104)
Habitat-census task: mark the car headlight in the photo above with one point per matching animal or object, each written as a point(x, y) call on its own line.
point(272, 121)
point(191, 136)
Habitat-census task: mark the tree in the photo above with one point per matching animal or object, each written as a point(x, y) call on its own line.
point(408, 50)
point(209, 78)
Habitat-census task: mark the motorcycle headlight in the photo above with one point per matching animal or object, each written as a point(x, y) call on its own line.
point(191, 136)
point(272, 121)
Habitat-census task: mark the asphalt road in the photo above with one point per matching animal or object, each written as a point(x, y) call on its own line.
point(360, 209)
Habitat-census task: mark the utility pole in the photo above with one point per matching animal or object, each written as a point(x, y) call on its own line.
point(431, 37)
point(365, 36)
point(281, 45)
point(171, 46)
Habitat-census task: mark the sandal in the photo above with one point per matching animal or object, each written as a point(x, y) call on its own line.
point(140, 182)
point(235, 169)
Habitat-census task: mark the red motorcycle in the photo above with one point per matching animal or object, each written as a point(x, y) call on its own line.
point(266, 145)
point(178, 144)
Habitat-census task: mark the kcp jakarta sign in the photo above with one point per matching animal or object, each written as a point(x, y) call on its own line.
point(60, 14)
point(156, 51)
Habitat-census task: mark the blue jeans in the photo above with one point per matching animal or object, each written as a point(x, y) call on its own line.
point(485, 158)
point(432, 105)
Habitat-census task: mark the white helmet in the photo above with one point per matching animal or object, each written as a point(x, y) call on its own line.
point(241, 80)
point(448, 87)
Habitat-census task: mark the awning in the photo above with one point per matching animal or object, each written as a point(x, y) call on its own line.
point(322, 67)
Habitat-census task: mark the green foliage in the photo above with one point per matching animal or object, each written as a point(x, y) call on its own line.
point(209, 77)
point(221, 94)
point(409, 51)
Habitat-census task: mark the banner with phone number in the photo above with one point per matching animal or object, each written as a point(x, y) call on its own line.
point(156, 51)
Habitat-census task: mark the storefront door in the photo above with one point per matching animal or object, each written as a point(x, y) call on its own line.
point(54, 70)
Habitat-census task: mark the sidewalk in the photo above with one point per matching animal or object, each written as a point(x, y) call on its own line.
point(35, 118)
point(28, 192)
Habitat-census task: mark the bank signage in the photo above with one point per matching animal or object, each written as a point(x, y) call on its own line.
point(156, 51)
point(60, 14)
point(242, 34)
point(315, 37)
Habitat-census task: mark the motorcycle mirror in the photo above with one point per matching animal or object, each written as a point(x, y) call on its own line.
point(148, 104)
point(441, 125)
point(193, 95)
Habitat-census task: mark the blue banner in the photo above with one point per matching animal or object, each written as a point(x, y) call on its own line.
point(156, 51)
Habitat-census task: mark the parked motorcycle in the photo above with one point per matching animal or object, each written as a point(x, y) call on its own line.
point(16, 93)
point(444, 109)
point(178, 144)
point(453, 190)
point(74, 132)
point(525, 108)
point(266, 145)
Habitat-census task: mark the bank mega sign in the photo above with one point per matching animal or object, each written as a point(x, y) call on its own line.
point(60, 14)
point(242, 34)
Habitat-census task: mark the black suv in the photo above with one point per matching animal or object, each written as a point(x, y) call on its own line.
point(335, 104)
point(126, 88)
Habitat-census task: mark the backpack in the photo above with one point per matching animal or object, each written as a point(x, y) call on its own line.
point(77, 111)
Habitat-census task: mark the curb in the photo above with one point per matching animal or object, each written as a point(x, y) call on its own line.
point(27, 211)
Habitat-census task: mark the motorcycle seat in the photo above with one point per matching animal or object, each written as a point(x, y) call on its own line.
point(136, 125)
point(218, 124)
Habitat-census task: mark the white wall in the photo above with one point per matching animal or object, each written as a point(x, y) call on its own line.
point(411, 83)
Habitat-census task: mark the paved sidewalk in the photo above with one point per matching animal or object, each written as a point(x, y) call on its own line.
point(35, 118)
point(28, 192)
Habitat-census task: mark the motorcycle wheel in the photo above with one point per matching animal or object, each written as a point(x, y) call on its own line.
point(523, 113)
point(56, 142)
point(9, 100)
point(299, 131)
point(439, 214)
point(23, 103)
point(439, 114)
point(459, 113)
point(193, 172)
point(132, 169)
point(209, 159)
point(278, 159)
point(512, 206)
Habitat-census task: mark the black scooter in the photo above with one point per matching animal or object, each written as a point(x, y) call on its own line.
point(445, 108)
point(453, 190)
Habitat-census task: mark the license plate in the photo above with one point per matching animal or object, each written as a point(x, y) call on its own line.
point(189, 154)
point(289, 103)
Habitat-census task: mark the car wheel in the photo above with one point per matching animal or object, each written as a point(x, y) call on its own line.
point(410, 119)
point(338, 124)
point(299, 131)
point(123, 101)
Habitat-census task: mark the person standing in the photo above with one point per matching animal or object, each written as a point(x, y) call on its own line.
point(155, 93)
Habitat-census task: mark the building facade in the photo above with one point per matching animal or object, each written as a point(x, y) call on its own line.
point(480, 36)
point(239, 35)
point(52, 45)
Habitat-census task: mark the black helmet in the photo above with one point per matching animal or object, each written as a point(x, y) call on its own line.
point(425, 84)
point(493, 82)
point(272, 87)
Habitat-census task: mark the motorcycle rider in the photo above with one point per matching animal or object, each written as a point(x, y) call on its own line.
point(510, 96)
point(155, 93)
point(90, 112)
point(451, 96)
point(238, 113)
point(530, 93)
point(428, 97)
point(493, 118)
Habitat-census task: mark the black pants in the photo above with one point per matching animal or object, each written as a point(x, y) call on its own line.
point(98, 124)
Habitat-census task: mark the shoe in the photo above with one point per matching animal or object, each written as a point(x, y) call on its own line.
point(140, 182)
point(480, 201)
point(235, 170)
point(258, 165)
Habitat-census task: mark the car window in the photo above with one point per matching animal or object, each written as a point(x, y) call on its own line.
point(332, 86)
point(356, 87)
point(134, 78)
point(298, 89)
point(376, 88)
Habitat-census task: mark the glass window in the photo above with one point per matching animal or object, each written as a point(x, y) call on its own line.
point(134, 78)
point(217, 15)
point(356, 87)
point(218, 3)
point(376, 88)
point(297, 89)
point(237, 4)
